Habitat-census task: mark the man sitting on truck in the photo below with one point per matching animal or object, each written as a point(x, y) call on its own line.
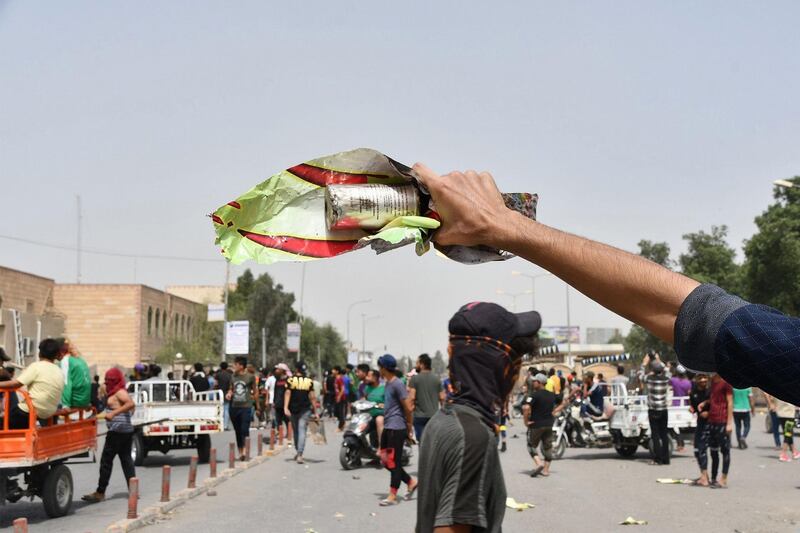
point(77, 378)
point(44, 383)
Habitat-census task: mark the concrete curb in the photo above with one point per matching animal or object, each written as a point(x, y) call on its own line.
point(149, 515)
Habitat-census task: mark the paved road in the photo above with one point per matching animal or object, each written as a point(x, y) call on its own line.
point(96, 518)
point(590, 490)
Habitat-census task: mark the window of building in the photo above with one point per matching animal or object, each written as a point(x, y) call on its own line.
point(164, 324)
point(158, 320)
point(149, 320)
point(189, 326)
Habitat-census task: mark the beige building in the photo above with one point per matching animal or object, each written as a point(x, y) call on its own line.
point(202, 294)
point(27, 314)
point(124, 324)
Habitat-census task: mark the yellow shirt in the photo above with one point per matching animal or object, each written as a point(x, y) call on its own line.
point(553, 384)
point(45, 383)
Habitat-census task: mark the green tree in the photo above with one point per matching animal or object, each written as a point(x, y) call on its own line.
point(323, 341)
point(709, 259)
point(204, 347)
point(772, 256)
point(657, 252)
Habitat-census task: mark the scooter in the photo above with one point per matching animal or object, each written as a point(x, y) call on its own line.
point(360, 440)
point(572, 429)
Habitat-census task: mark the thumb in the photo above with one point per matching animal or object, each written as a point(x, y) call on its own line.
point(425, 174)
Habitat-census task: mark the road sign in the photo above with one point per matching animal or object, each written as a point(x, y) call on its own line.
point(237, 337)
point(293, 337)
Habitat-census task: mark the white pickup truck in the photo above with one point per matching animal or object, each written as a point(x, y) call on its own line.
point(629, 423)
point(171, 415)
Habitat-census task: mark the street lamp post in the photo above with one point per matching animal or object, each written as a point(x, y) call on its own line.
point(350, 308)
point(533, 278)
point(364, 320)
point(514, 296)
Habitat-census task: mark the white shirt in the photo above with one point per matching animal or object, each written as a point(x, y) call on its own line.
point(270, 386)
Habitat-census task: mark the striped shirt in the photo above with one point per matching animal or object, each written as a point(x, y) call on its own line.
point(657, 387)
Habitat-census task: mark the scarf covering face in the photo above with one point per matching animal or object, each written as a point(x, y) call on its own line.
point(115, 381)
point(482, 373)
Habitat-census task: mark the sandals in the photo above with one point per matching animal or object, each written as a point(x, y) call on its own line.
point(536, 471)
point(696, 483)
point(386, 502)
point(411, 491)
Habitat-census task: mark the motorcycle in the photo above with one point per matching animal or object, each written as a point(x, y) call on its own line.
point(572, 429)
point(360, 441)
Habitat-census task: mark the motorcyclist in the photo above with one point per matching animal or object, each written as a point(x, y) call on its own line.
point(374, 392)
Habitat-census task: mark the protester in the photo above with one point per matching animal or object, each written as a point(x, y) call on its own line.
point(775, 424)
point(298, 404)
point(720, 426)
point(223, 379)
point(657, 413)
point(461, 480)
point(95, 394)
point(554, 384)
point(361, 376)
point(397, 428)
point(277, 394)
point(329, 393)
point(348, 381)
point(620, 380)
point(199, 380)
point(593, 390)
point(699, 404)
point(44, 382)
point(119, 437)
point(681, 386)
point(340, 397)
point(241, 395)
point(77, 378)
point(712, 331)
point(743, 406)
point(425, 393)
point(375, 392)
point(539, 409)
point(786, 417)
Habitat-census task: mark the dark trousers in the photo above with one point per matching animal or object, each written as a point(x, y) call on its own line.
point(742, 423)
point(419, 426)
point(660, 435)
point(776, 428)
point(117, 444)
point(392, 441)
point(240, 418)
point(701, 443)
point(341, 412)
point(719, 441)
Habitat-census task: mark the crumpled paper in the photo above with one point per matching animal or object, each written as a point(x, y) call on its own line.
point(511, 503)
point(283, 218)
point(672, 481)
point(631, 521)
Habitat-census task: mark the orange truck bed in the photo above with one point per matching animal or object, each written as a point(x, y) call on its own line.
point(68, 433)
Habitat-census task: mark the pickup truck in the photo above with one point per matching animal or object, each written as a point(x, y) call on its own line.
point(171, 415)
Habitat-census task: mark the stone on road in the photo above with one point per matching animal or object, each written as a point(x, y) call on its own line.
point(588, 490)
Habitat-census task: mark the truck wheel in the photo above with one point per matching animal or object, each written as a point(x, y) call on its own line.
point(626, 450)
point(138, 449)
point(57, 491)
point(203, 448)
point(560, 448)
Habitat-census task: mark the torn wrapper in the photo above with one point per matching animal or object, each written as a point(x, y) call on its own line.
point(284, 218)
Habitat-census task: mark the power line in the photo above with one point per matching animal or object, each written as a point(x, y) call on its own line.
point(108, 252)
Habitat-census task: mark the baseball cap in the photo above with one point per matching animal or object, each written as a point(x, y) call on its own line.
point(541, 378)
point(487, 319)
point(283, 366)
point(387, 361)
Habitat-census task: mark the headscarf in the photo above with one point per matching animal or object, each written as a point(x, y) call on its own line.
point(114, 380)
point(482, 372)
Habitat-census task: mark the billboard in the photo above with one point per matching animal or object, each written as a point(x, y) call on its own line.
point(562, 334)
point(237, 337)
point(293, 337)
point(600, 335)
point(216, 312)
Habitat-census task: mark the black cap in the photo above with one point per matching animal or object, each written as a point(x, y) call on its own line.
point(301, 367)
point(486, 319)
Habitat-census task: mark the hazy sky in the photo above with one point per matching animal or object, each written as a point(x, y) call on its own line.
point(630, 119)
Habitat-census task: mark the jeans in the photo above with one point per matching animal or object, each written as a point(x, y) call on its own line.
point(776, 428)
point(659, 434)
point(117, 444)
point(701, 437)
point(719, 441)
point(419, 426)
point(240, 416)
point(742, 423)
point(300, 426)
point(226, 416)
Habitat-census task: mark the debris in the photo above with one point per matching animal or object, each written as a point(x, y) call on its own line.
point(511, 503)
point(211, 493)
point(311, 530)
point(671, 481)
point(373, 514)
point(356, 477)
point(338, 516)
point(631, 521)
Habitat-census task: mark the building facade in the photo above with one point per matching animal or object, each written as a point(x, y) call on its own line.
point(120, 325)
point(27, 314)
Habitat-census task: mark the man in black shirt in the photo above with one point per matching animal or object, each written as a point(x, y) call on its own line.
point(299, 402)
point(537, 411)
point(223, 379)
point(199, 380)
point(699, 403)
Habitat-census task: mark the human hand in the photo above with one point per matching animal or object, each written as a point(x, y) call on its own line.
point(470, 206)
point(728, 427)
point(287, 412)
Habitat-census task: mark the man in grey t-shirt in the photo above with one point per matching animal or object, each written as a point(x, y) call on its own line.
point(426, 394)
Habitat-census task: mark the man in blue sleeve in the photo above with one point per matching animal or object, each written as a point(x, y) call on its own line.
point(712, 331)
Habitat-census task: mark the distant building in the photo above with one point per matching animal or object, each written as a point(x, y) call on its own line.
point(202, 294)
point(27, 314)
point(124, 324)
point(600, 335)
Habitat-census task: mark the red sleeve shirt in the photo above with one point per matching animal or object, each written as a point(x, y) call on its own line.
point(718, 405)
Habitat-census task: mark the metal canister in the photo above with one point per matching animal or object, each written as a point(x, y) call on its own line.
point(368, 206)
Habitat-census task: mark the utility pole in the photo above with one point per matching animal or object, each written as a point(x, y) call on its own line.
point(225, 310)
point(302, 294)
point(569, 328)
point(78, 248)
point(263, 347)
